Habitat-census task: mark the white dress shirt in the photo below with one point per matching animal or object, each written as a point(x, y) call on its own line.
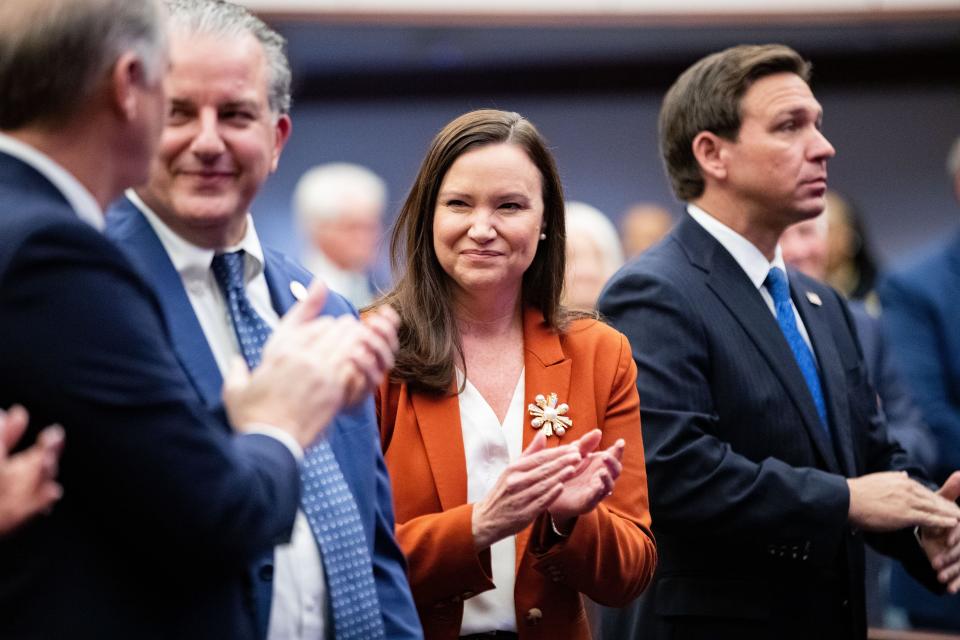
point(78, 196)
point(299, 609)
point(489, 447)
point(753, 263)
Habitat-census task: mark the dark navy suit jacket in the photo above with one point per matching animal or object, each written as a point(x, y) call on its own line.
point(353, 436)
point(747, 489)
point(163, 511)
point(921, 311)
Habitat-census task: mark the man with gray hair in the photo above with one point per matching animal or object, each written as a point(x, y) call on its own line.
point(339, 209)
point(189, 233)
point(152, 484)
point(921, 305)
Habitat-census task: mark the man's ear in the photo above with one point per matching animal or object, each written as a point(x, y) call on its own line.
point(127, 79)
point(709, 150)
point(282, 133)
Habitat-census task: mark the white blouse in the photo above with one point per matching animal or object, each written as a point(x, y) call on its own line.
point(489, 448)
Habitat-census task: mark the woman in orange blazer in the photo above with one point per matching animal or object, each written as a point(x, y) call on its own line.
point(507, 421)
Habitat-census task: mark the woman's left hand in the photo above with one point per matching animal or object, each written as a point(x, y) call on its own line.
point(592, 482)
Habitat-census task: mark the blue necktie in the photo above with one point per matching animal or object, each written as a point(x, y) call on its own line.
point(776, 284)
point(326, 501)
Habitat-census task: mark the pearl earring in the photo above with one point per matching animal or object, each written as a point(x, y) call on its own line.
point(543, 236)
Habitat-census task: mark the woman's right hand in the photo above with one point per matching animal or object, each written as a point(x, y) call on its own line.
point(523, 491)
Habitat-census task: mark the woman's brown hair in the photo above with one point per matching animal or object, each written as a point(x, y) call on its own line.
point(430, 344)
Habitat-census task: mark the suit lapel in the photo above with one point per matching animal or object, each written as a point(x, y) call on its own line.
point(736, 292)
point(138, 240)
point(438, 418)
point(546, 370)
point(832, 377)
point(278, 282)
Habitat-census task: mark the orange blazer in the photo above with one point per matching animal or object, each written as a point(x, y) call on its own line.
point(610, 555)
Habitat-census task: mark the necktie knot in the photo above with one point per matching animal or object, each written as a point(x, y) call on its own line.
point(776, 284)
point(251, 330)
point(228, 270)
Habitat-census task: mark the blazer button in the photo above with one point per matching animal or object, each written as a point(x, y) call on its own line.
point(266, 572)
point(533, 616)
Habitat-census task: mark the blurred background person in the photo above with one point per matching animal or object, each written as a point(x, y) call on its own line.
point(508, 419)
point(28, 484)
point(851, 268)
point(339, 210)
point(805, 247)
point(593, 255)
point(921, 304)
point(642, 226)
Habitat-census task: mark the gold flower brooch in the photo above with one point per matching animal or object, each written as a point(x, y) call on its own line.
point(548, 417)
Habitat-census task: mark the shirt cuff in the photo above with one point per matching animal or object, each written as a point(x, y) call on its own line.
point(277, 433)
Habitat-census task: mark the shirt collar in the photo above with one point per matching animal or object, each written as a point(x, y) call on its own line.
point(753, 263)
point(78, 196)
point(193, 262)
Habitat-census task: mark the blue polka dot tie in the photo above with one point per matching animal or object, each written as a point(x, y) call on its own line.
point(252, 332)
point(776, 284)
point(326, 501)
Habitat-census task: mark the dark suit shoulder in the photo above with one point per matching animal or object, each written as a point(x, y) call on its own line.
point(38, 235)
point(927, 268)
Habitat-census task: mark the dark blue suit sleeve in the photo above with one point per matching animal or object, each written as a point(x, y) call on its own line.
point(84, 345)
point(904, 419)
point(914, 325)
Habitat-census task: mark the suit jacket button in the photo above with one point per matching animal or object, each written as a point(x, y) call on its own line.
point(534, 615)
point(265, 572)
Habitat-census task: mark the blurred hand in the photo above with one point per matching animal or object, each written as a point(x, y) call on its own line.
point(592, 482)
point(374, 359)
point(942, 545)
point(523, 491)
point(27, 479)
point(302, 379)
point(891, 500)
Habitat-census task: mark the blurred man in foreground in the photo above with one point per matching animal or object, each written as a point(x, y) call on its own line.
point(151, 483)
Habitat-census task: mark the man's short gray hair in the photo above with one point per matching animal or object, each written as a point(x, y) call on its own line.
point(54, 53)
point(226, 19)
point(321, 191)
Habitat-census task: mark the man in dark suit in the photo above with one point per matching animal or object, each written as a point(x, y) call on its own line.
point(162, 511)
point(921, 304)
point(229, 90)
point(767, 459)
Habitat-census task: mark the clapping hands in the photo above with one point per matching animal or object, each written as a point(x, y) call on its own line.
point(566, 481)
